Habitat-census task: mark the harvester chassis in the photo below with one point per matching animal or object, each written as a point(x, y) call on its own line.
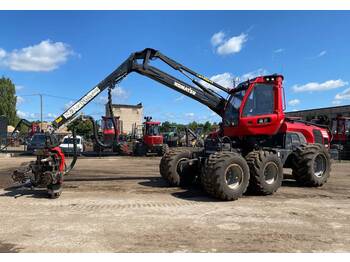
point(260, 169)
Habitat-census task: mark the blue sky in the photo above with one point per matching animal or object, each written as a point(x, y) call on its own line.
point(64, 54)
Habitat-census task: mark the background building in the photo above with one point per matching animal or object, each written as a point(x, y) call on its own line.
point(327, 112)
point(130, 115)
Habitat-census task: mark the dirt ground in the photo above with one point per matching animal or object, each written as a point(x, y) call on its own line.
point(120, 204)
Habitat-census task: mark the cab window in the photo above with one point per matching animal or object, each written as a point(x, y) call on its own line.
point(260, 101)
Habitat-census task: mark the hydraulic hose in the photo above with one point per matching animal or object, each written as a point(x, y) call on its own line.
point(95, 133)
point(75, 154)
point(95, 129)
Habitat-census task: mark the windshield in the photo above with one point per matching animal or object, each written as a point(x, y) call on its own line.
point(260, 101)
point(341, 126)
point(38, 139)
point(152, 130)
point(232, 108)
point(71, 141)
point(108, 123)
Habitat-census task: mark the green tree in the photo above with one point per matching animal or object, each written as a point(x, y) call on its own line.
point(193, 125)
point(165, 127)
point(207, 127)
point(8, 100)
point(82, 128)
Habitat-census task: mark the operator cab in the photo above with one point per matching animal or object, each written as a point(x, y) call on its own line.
point(341, 128)
point(255, 107)
point(108, 127)
point(151, 131)
point(152, 128)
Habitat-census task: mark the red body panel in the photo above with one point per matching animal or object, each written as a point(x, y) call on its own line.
point(152, 123)
point(59, 154)
point(153, 140)
point(305, 129)
point(108, 128)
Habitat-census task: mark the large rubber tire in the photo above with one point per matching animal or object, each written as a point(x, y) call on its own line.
point(266, 172)
point(312, 165)
point(170, 170)
point(140, 149)
point(214, 176)
point(164, 149)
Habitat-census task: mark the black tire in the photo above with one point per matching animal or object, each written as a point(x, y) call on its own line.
point(97, 148)
point(140, 149)
point(312, 165)
point(163, 150)
point(170, 170)
point(266, 172)
point(214, 176)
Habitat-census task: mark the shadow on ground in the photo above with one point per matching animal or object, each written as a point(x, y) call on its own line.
point(25, 190)
point(195, 192)
point(8, 248)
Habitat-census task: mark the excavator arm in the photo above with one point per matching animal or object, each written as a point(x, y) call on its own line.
point(140, 62)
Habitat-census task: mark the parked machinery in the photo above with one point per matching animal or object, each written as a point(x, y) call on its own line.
point(108, 133)
point(172, 137)
point(255, 140)
point(151, 140)
point(341, 136)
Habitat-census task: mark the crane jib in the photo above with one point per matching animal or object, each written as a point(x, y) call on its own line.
point(80, 104)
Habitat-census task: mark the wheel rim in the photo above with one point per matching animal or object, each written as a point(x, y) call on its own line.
point(270, 173)
point(320, 165)
point(234, 176)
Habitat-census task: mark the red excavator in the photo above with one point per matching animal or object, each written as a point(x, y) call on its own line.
point(254, 143)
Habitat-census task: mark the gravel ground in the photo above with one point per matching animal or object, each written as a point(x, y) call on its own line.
point(120, 204)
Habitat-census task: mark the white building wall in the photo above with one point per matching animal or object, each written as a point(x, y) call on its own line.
point(129, 115)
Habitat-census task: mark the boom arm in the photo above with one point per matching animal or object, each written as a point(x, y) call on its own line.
point(198, 92)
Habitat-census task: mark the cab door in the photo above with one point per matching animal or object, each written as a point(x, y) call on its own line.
point(262, 110)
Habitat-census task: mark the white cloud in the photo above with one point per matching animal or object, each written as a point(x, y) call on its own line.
point(21, 114)
point(337, 102)
point(253, 74)
point(45, 56)
point(345, 95)
point(19, 87)
point(314, 86)
point(227, 79)
point(322, 53)
point(224, 79)
point(279, 50)
point(180, 98)
point(294, 102)
point(51, 115)
point(217, 38)
point(20, 100)
point(119, 94)
point(35, 116)
point(190, 115)
point(68, 105)
point(232, 45)
point(226, 46)
point(2, 53)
